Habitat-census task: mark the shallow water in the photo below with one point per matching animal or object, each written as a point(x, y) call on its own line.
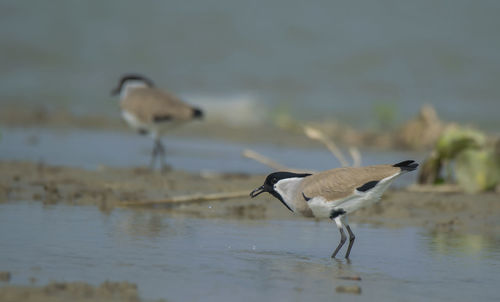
point(90, 149)
point(188, 259)
point(315, 59)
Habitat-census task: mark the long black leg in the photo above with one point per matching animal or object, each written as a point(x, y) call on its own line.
point(340, 226)
point(351, 240)
point(161, 152)
point(341, 243)
point(158, 151)
point(153, 155)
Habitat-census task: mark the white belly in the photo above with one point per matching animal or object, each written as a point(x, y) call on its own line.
point(133, 121)
point(154, 129)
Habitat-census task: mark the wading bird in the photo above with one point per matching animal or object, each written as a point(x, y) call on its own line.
point(334, 193)
point(151, 111)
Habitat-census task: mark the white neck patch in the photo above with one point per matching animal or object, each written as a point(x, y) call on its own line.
point(129, 85)
point(287, 188)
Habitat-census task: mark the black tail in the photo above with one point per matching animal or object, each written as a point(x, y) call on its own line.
point(407, 165)
point(197, 113)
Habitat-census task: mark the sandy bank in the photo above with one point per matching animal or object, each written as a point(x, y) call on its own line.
point(71, 291)
point(109, 188)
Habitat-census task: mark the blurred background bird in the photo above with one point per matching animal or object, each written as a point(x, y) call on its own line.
point(151, 111)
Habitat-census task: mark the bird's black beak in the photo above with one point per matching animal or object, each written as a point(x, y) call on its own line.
point(115, 91)
point(257, 191)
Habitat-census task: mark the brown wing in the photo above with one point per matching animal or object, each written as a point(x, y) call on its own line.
point(151, 104)
point(339, 183)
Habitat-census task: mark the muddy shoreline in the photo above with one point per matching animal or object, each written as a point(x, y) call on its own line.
point(72, 291)
point(289, 133)
point(16, 117)
point(444, 213)
point(109, 188)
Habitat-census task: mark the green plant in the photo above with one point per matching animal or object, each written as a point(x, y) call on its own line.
point(385, 114)
point(477, 170)
point(476, 163)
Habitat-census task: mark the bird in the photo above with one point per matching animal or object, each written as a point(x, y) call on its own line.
point(151, 111)
point(333, 193)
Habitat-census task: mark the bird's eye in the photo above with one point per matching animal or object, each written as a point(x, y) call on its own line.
point(274, 180)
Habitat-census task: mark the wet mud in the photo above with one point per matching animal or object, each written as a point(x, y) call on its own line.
point(444, 214)
point(72, 291)
point(109, 188)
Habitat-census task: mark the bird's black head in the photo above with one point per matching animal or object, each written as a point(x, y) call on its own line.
point(272, 179)
point(269, 185)
point(131, 78)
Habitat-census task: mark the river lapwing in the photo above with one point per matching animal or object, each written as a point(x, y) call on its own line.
point(151, 111)
point(334, 193)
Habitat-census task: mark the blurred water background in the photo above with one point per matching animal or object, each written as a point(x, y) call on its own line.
point(312, 59)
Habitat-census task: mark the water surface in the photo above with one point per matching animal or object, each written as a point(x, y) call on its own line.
point(91, 149)
point(189, 259)
point(316, 59)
